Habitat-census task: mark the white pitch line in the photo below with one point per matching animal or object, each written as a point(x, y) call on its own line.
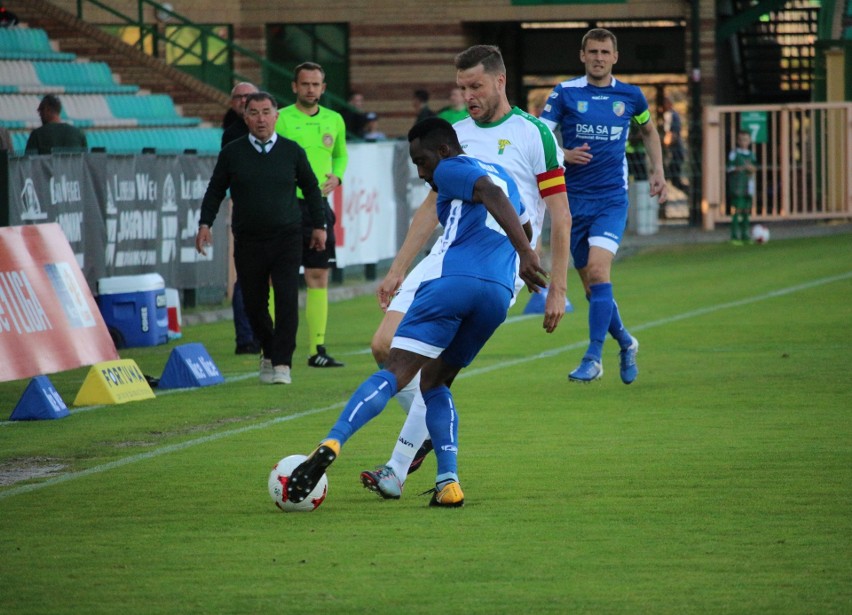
point(164, 450)
point(466, 374)
point(663, 321)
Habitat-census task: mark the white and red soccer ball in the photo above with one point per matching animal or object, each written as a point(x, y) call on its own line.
point(759, 234)
point(278, 478)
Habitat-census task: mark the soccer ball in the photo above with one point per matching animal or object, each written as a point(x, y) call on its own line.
point(759, 233)
point(278, 478)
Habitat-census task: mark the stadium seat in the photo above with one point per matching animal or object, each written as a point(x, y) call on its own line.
point(150, 110)
point(81, 77)
point(115, 117)
point(96, 111)
point(44, 77)
point(28, 44)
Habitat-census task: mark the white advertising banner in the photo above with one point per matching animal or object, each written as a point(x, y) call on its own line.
point(366, 206)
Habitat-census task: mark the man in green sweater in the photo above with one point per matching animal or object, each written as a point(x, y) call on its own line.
point(322, 132)
point(263, 172)
point(54, 133)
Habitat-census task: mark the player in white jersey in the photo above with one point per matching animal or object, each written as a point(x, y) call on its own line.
point(494, 132)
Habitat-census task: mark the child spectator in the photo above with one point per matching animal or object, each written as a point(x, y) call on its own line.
point(741, 167)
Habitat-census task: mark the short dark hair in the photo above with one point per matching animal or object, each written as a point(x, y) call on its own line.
point(487, 55)
point(599, 34)
point(51, 103)
point(434, 131)
point(307, 66)
point(421, 95)
point(259, 96)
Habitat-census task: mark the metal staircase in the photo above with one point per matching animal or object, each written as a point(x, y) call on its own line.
point(772, 47)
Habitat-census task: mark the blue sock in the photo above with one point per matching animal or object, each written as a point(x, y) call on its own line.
point(600, 315)
point(365, 404)
point(443, 424)
point(616, 328)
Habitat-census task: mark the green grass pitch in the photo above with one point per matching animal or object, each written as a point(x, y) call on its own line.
point(720, 481)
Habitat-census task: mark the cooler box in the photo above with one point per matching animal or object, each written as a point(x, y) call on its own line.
point(134, 309)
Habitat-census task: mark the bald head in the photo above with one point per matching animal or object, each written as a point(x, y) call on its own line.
point(239, 93)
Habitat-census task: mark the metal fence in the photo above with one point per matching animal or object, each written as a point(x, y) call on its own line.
point(804, 161)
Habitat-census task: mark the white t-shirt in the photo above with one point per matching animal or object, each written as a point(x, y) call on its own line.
point(527, 149)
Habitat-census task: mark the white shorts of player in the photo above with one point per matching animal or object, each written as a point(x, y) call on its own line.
point(405, 295)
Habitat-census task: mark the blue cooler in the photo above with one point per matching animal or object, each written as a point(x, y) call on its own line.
point(134, 309)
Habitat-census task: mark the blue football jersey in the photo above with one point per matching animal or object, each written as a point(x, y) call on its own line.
point(473, 243)
point(599, 116)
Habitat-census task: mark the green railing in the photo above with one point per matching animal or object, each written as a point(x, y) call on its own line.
point(201, 51)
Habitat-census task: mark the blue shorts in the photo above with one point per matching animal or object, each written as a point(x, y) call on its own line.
point(596, 222)
point(452, 318)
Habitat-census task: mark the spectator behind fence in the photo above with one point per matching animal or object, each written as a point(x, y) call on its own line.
point(456, 110)
point(420, 102)
point(673, 143)
point(234, 116)
point(355, 118)
point(54, 133)
point(371, 130)
point(742, 164)
point(235, 127)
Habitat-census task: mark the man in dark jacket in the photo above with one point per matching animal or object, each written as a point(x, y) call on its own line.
point(262, 171)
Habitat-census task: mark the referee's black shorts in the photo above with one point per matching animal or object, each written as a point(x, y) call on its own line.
point(311, 259)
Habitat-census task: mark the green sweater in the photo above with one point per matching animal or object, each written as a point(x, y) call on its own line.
point(263, 188)
point(55, 134)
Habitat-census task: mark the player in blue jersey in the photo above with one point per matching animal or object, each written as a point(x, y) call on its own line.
point(594, 114)
point(527, 149)
point(462, 299)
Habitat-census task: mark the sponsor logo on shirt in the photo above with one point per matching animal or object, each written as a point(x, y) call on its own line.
point(618, 108)
point(599, 132)
point(600, 97)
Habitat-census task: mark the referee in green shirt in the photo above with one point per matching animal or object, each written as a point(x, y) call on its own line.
point(263, 172)
point(322, 134)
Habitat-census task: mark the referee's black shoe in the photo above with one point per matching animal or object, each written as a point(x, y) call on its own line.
point(322, 359)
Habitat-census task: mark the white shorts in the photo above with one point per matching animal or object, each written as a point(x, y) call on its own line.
point(405, 295)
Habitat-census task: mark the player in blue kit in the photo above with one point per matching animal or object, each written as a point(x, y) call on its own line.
point(461, 301)
point(594, 113)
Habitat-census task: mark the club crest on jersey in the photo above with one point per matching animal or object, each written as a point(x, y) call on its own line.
point(618, 108)
point(327, 140)
point(582, 106)
point(501, 146)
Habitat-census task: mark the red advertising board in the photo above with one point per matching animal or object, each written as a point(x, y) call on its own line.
point(49, 321)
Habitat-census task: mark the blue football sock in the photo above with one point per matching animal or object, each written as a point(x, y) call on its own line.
point(600, 315)
point(443, 424)
point(616, 328)
point(365, 404)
